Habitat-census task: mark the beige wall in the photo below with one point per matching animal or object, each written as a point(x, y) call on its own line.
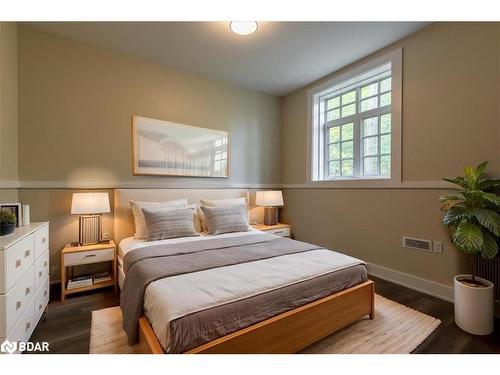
point(76, 102)
point(75, 107)
point(8, 110)
point(450, 119)
point(8, 195)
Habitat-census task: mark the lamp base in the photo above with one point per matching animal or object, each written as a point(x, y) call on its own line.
point(90, 229)
point(270, 215)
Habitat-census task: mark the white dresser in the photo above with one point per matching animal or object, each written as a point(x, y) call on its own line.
point(24, 280)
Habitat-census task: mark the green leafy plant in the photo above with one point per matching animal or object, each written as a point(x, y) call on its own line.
point(7, 217)
point(473, 213)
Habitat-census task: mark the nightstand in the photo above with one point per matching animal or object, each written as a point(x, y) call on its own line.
point(280, 229)
point(80, 255)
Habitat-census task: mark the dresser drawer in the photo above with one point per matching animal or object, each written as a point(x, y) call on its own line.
point(16, 301)
point(86, 257)
point(19, 257)
point(41, 240)
point(41, 269)
point(42, 298)
point(283, 232)
point(25, 326)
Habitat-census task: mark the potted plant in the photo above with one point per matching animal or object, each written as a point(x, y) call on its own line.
point(473, 216)
point(7, 222)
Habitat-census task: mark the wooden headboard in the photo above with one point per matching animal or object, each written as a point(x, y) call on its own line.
point(124, 221)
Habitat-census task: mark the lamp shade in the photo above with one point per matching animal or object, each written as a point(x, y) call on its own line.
point(90, 203)
point(269, 198)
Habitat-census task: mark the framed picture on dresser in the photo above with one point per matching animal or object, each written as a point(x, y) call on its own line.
point(16, 209)
point(168, 148)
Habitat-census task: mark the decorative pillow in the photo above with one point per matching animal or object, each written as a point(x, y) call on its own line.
point(161, 225)
point(225, 219)
point(218, 203)
point(140, 225)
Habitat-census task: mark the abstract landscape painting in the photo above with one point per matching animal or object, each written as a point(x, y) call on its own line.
point(170, 149)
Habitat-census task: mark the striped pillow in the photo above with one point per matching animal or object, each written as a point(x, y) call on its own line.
point(225, 219)
point(161, 225)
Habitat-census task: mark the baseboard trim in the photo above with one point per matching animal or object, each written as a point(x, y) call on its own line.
point(419, 284)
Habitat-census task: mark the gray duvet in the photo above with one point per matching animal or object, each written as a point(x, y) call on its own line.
point(146, 265)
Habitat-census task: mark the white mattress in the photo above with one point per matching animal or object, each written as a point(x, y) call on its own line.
point(173, 297)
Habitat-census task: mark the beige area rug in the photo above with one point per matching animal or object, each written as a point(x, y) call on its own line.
point(396, 329)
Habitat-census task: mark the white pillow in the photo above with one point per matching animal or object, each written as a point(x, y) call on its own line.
point(140, 223)
point(218, 203)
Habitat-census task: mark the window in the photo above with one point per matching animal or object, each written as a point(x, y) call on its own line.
point(353, 127)
point(220, 156)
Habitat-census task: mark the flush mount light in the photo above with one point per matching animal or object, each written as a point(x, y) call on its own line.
point(243, 27)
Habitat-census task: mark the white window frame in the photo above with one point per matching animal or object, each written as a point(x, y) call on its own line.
point(316, 128)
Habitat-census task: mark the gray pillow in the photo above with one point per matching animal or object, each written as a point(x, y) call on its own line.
point(225, 219)
point(161, 225)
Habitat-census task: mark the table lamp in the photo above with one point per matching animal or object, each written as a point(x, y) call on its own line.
point(90, 207)
point(270, 200)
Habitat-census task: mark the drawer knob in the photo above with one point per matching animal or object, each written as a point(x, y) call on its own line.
point(39, 273)
point(45, 293)
point(44, 240)
point(45, 264)
point(18, 263)
point(18, 305)
point(39, 307)
point(27, 253)
point(28, 325)
point(90, 255)
point(27, 291)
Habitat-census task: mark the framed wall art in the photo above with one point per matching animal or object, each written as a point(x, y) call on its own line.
point(168, 148)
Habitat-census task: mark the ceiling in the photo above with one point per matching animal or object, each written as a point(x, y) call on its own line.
point(279, 58)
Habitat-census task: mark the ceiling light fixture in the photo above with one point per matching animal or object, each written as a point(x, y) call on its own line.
point(243, 27)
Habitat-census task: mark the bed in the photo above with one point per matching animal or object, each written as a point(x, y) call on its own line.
point(245, 292)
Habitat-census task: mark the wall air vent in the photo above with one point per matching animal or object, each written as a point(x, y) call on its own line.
point(417, 244)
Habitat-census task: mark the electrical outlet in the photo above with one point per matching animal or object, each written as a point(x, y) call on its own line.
point(437, 246)
point(106, 236)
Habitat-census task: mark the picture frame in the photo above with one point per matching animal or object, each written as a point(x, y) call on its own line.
point(166, 148)
point(16, 209)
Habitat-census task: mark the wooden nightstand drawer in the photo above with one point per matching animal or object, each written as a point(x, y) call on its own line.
point(80, 255)
point(86, 257)
point(283, 232)
point(280, 229)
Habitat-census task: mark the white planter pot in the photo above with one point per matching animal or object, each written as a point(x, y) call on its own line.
point(474, 306)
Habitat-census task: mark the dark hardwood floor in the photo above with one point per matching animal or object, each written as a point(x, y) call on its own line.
point(67, 325)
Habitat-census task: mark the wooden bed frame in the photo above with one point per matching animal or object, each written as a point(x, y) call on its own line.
point(288, 332)
point(285, 333)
